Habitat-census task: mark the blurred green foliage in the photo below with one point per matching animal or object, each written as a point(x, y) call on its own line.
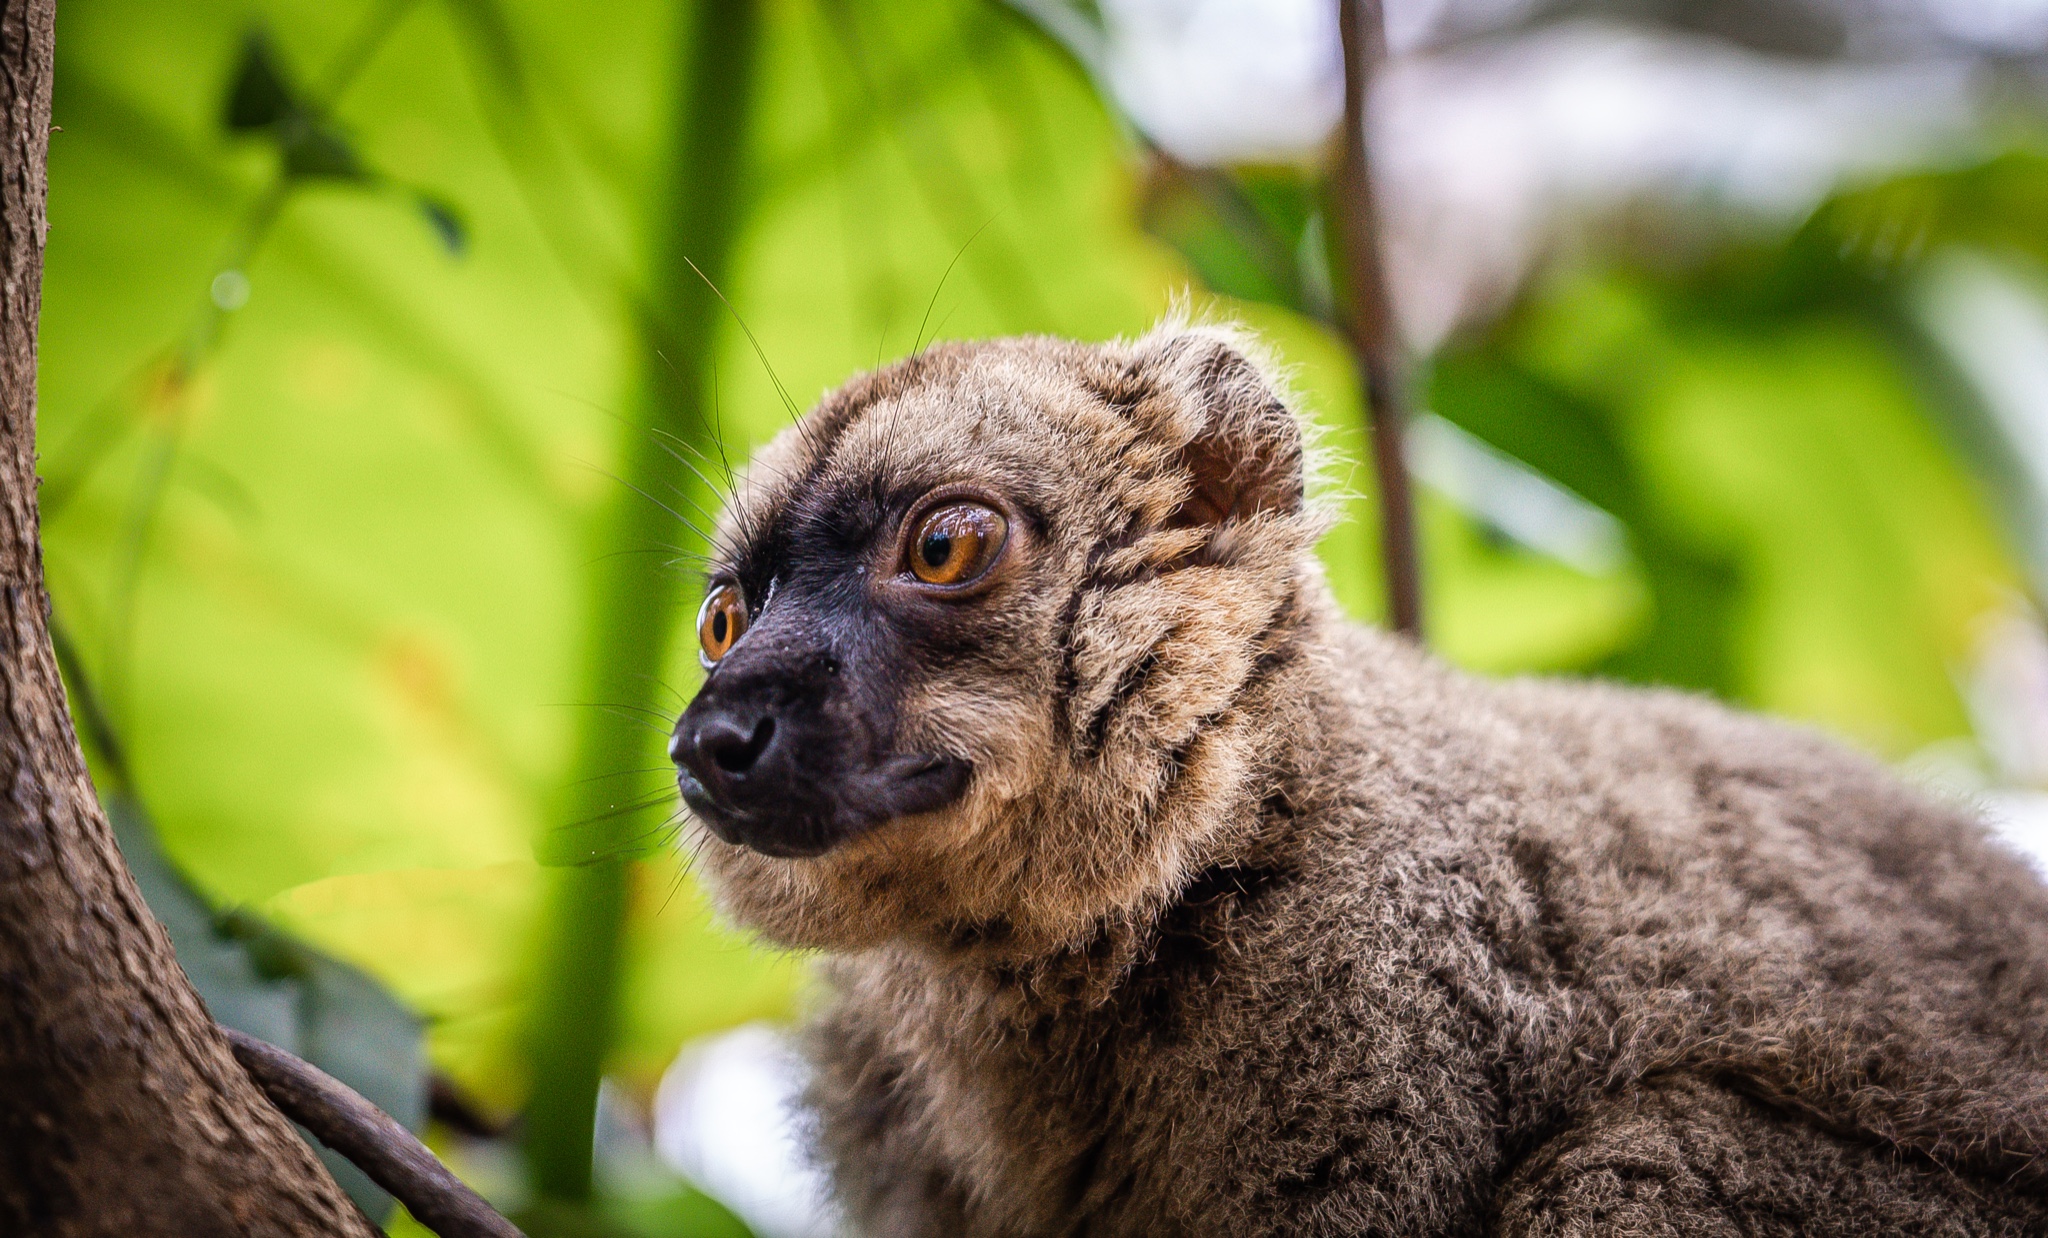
point(259, 981)
point(376, 391)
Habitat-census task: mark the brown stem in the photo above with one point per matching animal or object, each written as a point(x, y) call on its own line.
point(121, 1109)
point(1368, 315)
point(368, 1136)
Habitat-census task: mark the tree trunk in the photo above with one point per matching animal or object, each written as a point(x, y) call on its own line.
point(122, 1111)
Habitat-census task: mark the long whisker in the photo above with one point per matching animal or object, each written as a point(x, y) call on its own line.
point(676, 456)
point(638, 709)
point(621, 810)
point(664, 685)
point(683, 869)
point(619, 711)
point(677, 556)
point(623, 773)
point(917, 344)
point(652, 432)
point(681, 519)
point(718, 430)
point(780, 390)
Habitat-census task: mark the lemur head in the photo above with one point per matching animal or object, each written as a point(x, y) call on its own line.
point(984, 639)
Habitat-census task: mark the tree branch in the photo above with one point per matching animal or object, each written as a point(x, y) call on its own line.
point(368, 1136)
point(1368, 315)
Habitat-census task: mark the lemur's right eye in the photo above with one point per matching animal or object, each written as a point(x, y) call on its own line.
point(721, 622)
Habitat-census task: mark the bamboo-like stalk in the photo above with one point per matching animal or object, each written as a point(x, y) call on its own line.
point(633, 600)
point(1368, 315)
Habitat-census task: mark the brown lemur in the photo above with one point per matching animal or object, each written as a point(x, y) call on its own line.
point(1159, 899)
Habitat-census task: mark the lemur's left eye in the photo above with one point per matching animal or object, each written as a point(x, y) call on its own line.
point(956, 543)
point(721, 622)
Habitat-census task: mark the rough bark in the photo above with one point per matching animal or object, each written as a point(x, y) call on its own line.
point(122, 1111)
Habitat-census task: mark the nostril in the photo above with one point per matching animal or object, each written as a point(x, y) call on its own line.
point(733, 750)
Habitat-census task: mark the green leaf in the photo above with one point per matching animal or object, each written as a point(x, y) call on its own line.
point(262, 97)
point(317, 150)
point(680, 1213)
point(260, 94)
point(2000, 204)
point(351, 1027)
point(1253, 233)
point(1483, 386)
point(446, 223)
point(258, 980)
point(237, 992)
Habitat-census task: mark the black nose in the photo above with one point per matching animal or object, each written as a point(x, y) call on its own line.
point(733, 746)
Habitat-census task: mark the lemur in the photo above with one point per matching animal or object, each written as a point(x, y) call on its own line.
point(1158, 899)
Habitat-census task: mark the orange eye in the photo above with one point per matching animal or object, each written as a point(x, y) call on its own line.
point(955, 544)
point(721, 622)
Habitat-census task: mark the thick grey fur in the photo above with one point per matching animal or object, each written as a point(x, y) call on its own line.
point(1430, 954)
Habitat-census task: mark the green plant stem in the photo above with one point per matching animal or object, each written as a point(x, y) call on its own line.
point(634, 602)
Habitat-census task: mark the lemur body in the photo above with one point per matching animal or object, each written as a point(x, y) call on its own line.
point(1163, 901)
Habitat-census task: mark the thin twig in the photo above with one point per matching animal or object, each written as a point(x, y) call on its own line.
point(97, 727)
point(1368, 315)
point(390, 1154)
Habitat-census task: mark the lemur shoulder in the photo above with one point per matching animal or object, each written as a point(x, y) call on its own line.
point(1159, 899)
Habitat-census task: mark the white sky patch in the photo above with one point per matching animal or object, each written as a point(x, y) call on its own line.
point(727, 1117)
point(2011, 26)
point(1994, 325)
point(2020, 818)
point(1514, 498)
point(2007, 694)
point(1490, 155)
point(1227, 81)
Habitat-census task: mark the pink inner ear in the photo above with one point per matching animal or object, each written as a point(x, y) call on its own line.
point(1233, 481)
point(1213, 496)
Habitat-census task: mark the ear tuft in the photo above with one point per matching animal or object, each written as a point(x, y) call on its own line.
point(1240, 445)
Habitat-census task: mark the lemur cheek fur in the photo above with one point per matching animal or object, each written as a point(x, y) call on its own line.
point(1159, 899)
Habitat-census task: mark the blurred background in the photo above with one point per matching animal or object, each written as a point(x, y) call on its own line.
point(393, 352)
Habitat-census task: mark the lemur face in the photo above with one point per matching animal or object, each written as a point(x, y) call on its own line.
point(975, 628)
point(828, 634)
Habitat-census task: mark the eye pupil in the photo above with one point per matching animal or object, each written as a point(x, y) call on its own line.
point(937, 549)
point(718, 626)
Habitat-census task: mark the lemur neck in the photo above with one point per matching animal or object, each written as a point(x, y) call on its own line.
point(1259, 849)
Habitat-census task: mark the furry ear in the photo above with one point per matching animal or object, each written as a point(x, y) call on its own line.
point(1239, 443)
